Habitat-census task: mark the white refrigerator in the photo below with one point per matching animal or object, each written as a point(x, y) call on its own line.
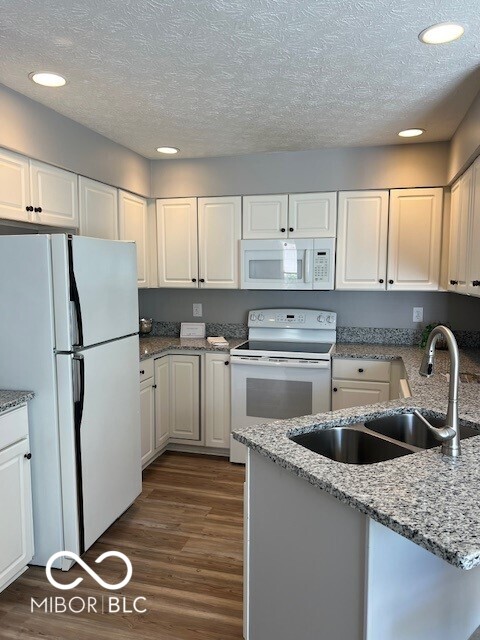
point(68, 332)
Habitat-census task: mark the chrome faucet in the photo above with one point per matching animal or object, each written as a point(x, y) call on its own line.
point(449, 435)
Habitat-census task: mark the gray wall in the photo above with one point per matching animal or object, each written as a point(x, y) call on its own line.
point(354, 308)
point(407, 165)
point(34, 130)
point(465, 144)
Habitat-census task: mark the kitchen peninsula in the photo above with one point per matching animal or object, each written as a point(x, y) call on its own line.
point(365, 551)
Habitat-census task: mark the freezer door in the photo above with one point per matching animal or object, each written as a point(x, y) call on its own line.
point(107, 434)
point(95, 290)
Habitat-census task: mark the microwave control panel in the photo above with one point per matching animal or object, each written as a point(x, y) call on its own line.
point(321, 266)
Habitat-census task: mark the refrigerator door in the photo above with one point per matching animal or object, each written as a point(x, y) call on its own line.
point(95, 289)
point(104, 437)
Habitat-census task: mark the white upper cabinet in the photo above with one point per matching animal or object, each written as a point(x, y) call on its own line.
point(362, 240)
point(14, 187)
point(312, 215)
point(177, 243)
point(415, 239)
point(473, 266)
point(265, 216)
point(219, 232)
point(54, 195)
point(459, 233)
point(98, 209)
point(133, 222)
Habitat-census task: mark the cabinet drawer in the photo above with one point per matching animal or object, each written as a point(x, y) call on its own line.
point(146, 369)
point(358, 369)
point(13, 426)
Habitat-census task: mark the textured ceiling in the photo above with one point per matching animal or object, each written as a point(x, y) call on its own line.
point(225, 77)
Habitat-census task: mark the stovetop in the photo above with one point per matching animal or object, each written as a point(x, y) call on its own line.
point(270, 346)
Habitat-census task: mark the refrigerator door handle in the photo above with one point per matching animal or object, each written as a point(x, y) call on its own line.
point(75, 308)
point(78, 399)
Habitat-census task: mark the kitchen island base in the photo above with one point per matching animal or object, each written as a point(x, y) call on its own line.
point(316, 568)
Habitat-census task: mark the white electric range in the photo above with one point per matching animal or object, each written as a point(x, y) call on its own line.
point(283, 370)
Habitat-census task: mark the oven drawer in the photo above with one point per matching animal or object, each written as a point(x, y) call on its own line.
point(359, 369)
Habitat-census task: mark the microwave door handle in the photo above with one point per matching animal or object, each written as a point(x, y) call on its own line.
point(307, 267)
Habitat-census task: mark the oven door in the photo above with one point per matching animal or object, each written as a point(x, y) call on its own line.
point(276, 264)
point(266, 389)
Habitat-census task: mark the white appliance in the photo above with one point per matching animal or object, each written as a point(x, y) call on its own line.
point(288, 264)
point(283, 370)
point(68, 332)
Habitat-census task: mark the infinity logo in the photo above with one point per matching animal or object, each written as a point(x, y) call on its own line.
point(95, 576)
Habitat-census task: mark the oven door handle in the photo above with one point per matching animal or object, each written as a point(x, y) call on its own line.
point(321, 364)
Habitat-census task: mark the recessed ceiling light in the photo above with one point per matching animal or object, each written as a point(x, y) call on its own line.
point(442, 33)
point(170, 150)
point(47, 79)
point(411, 133)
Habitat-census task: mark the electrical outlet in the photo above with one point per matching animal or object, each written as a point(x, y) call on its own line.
point(197, 310)
point(418, 314)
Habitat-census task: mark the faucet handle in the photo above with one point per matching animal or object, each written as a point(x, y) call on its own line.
point(443, 434)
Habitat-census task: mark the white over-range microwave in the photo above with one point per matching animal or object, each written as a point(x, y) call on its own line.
point(288, 264)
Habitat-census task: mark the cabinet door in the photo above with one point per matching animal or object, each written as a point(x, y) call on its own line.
point(14, 187)
point(352, 393)
point(217, 400)
point(16, 524)
point(312, 215)
point(147, 420)
point(55, 192)
point(415, 239)
point(98, 210)
point(219, 233)
point(362, 240)
point(177, 243)
point(473, 268)
point(184, 397)
point(265, 216)
point(162, 401)
point(459, 233)
point(133, 219)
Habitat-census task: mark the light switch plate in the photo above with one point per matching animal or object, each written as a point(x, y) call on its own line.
point(418, 314)
point(197, 310)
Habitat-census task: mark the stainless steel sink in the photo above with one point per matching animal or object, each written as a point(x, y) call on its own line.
point(406, 427)
point(351, 446)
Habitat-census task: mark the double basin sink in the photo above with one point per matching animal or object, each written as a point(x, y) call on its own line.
point(376, 440)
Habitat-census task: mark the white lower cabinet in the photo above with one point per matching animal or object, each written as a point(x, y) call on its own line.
point(16, 524)
point(184, 397)
point(352, 393)
point(358, 382)
point(162, 401)
point(147, 419)
point(217, 400)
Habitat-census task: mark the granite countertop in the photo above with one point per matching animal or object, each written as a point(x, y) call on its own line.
point(11, 399)
point(151, 346)
point(431, 500)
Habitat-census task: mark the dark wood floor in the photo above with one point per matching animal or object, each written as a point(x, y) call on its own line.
point(184, 538)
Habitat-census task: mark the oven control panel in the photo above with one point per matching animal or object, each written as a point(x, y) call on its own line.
point(292, 318)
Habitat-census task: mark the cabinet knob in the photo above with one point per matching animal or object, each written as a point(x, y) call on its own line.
point(476, 283)
point(142, 371)
point(202, 279)
point(28, 208)
point(453, 281)
point(381, 281)
point(390, 282)
point(28, 456)
point(291, 229)
point(361, 370)
point(194, 279)
point(154, 386)
point(38, 209)
point(335, 389)
point(227, 363)
point(283, 229)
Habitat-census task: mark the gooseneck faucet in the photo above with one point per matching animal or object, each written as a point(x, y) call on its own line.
point(449, 434)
